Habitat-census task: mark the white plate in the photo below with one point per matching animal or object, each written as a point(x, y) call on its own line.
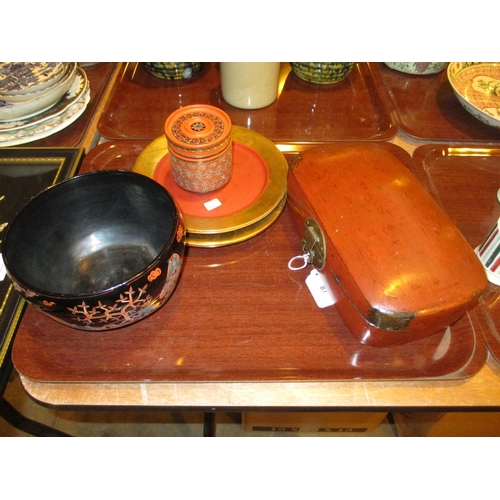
point(28, 94)
point(48, 98)
point(18, 78)
point(48, 127)
point(75, 92)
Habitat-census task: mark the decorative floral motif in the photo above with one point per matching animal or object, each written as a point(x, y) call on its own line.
point(208, 139)
point(131, 305)
point(173, 271)
point(198, 127)
point(487, 85)
point(154, 274)
point(123, 311)
point(180, 233)
point(24, 291)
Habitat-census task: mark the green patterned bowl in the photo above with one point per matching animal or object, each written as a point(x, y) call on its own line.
point(174, 70)
point(322, 72)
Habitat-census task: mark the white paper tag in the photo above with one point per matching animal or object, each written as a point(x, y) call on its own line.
point(210, 205)
point(320, 290)
point(3, 271)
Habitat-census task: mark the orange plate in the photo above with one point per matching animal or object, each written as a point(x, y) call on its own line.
point(250, 202)
point(248, 182)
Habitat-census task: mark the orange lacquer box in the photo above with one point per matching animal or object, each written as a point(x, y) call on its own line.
point(397, 265)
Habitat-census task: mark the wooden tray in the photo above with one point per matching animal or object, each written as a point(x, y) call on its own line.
point(71, 136)
point(351, 110)
point(426, 108)
point(465, 180)
point(238, 314)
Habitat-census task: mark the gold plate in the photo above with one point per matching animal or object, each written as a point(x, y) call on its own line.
point(245, 221)
point(232, 237)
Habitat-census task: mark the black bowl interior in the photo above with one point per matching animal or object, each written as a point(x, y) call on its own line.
point(89, 233)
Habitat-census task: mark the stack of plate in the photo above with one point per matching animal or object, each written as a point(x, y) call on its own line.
point(39, 99)
point(246, 206)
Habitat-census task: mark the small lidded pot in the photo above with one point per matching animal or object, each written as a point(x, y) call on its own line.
point(200, 147)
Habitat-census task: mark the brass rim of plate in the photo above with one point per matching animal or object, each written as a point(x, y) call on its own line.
point(232, 237)
point(206, 231)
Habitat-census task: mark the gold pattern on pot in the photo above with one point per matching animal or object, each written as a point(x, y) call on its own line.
point(200, 147)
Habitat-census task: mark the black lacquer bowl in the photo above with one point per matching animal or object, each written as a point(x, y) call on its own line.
point(98, 251)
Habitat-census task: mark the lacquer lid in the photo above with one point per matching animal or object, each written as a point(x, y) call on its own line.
point(198, 131)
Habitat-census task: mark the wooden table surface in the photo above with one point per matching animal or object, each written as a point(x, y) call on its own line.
point(259, 340)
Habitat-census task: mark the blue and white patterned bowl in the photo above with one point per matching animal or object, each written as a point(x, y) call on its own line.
point(38, 101)
point(20, 78)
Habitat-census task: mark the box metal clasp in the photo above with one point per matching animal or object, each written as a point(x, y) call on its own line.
point(313, 244)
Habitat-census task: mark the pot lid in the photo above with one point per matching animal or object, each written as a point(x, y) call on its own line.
point(198, 128)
